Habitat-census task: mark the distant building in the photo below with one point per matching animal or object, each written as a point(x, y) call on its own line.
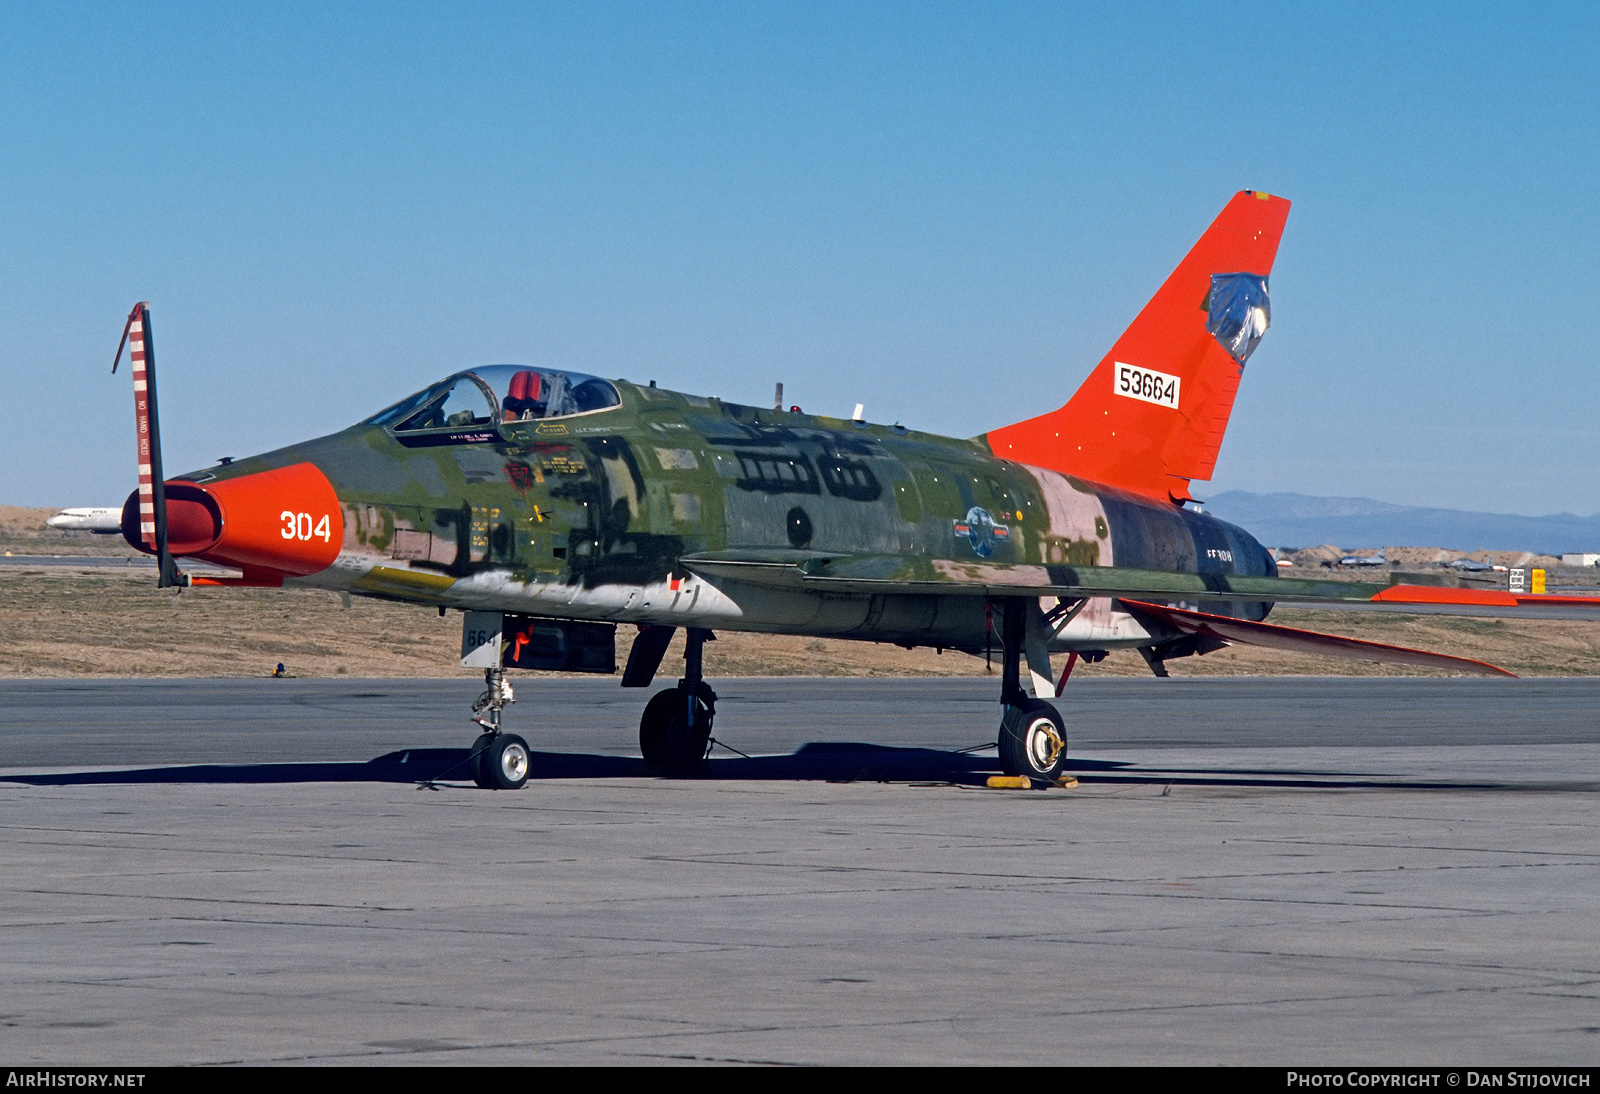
point(1580, 560)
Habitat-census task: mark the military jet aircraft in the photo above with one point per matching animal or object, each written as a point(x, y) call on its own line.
point(1364, 560)
point(553, 507)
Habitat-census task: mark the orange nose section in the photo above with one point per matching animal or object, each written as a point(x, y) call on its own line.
point(288, 521)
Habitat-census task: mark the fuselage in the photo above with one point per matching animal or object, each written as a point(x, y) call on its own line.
point(590, 515)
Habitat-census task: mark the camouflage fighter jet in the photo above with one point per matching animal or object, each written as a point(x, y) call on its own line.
point(553, 508)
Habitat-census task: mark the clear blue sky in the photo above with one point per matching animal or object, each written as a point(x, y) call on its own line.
point(946, 212)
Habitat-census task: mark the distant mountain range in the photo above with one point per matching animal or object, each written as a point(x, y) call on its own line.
point(1298, 520)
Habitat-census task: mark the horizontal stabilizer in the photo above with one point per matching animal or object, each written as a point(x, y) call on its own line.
point(1293, 640)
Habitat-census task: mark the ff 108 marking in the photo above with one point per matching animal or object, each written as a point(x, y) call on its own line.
point(1133, 382)
point(298, 526)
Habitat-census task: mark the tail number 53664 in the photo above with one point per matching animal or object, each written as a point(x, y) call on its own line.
point(1147, 384)
point(302, 526)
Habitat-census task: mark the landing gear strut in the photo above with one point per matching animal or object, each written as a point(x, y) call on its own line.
point(1033, 738)
point(499, 761)
point(675, 731)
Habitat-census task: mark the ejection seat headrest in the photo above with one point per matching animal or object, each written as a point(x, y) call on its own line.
point(524, 392)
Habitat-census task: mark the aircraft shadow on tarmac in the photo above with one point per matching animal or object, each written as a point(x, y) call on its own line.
point(829, 762)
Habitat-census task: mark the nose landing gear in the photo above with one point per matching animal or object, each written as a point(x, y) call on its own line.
point(498, 761)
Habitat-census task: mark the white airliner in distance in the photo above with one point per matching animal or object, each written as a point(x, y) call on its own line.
point(103, 522)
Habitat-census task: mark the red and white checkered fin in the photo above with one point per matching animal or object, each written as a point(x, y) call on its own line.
point(133, 336)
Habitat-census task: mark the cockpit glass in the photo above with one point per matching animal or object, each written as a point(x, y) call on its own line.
point(523, 394)
point(463, 406)
point(402, 409)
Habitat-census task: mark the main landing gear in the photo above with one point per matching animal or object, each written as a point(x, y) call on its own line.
point(675, 731)
point(499, 761)
point(1033, 738)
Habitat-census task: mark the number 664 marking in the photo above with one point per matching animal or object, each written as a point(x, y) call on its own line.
point(299, 526)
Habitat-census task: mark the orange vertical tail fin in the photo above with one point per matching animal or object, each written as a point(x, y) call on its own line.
point(1151, 416)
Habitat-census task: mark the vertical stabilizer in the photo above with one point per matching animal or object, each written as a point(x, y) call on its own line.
point(1151, 416)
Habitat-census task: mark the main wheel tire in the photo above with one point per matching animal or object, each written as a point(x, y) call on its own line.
point(505, 762)
point(480, 773)
point(665, 739)
point(1033, 742)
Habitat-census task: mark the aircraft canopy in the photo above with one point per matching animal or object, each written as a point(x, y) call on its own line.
point(493, 394)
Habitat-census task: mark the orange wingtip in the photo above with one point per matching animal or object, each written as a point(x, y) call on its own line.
point(1482, 598)
point(1438, 594)
point(1551, 600)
